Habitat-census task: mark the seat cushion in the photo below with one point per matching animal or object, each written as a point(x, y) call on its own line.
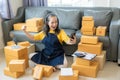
point(21, 36)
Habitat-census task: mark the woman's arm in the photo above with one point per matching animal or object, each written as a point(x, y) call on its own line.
point(27, 34)
point(68, 40)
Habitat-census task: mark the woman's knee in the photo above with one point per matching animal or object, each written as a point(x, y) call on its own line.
point(31, 55)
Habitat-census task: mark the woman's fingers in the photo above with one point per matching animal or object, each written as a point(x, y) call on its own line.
point(24, 28)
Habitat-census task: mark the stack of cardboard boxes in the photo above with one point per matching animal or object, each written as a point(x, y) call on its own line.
point(33, 25)
point(88, 67)
point(90, 44)
point(16, 68)
point(88, 25)
point(16, 60)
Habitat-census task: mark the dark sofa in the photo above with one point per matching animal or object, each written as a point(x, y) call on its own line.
point(70, 20)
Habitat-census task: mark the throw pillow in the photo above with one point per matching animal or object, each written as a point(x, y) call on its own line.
point(32, 12)
point(68, 19)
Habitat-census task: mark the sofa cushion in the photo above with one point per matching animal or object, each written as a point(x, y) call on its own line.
point(101, 18)
point(32, 12)
point(68, 19)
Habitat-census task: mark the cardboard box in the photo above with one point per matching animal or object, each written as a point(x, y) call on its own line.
point(101, 59)
point(31, 48)
point(90, 48)
point(87, 29)
point(38, 73)
point(13, 53)
point(24, 43)
point(81, 61)
point(74, 77)
point(88, 71)
point(87, 18)
point(33, 29)
point(88, 23)
point(101, 30)
point(47, 70)
point(16, 52)
point(90, 33)
point(9, 58)
point(18, 26)
point(10, 43)
point(13, 74)
point(89, 39)
point(17, 66)
point(34, 22)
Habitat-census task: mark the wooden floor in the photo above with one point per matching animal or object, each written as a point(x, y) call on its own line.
point(111, 71)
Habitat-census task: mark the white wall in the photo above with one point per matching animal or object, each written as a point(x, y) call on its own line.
point(101, 3)
point(106, 3)
point(115, 3)
point(14, 4)
point(1, 36)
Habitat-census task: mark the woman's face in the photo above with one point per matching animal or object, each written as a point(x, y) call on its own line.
point(53, 22)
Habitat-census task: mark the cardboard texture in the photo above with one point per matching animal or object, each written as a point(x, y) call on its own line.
point(12, 74)
point(18, 26)
point(10, 43)
point(47, 70)
point(89, 39)
point(101, 59)
point(88, 23)
point(33, 29)
point(80, 61)
point(101, 30)
point(90, 48)
point(31, 48)
point(90, 33)
point(74, 77)
point(34, 22)
point(88, 71)
point(87, 18)
point(87, 29)
point(38, 73)
point(17, 66)
point(24, 43)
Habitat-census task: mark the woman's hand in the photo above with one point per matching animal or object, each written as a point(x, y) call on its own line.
point(24, 28)
point(73, 40)
point(27, 34)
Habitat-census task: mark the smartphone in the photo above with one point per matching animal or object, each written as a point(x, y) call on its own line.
point(72, 35)
point(80, 55)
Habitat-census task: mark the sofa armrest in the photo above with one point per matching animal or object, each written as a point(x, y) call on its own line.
point(114, 37)
point(7, 25)
point(78, 36)
point(119, 49)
